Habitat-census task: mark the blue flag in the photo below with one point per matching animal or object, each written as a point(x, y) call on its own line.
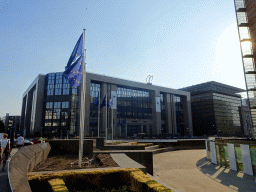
point(110, 104)
point(74, 74)
point(73, 70)
point(103, 104)
point(123, 122)
point(96, 102)
point(119, 122)
point(78, 51)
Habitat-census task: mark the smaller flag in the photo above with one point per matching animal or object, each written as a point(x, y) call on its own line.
point(103, 104)
point(119, 122)
point(123, 122)
point(110, 103)
point(96, 102)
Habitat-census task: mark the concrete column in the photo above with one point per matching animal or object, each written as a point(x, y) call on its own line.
point(213, 153)
point(87, 107)
point(39, 104)
point(186, 103)
point(28, 112)
point(103, 121)
point(246, 158)
point(206, 146)
point(232, 156)
point(156, 115)
point(117, 130)
point(168, 114)
point(173, 110)
point(148, 129)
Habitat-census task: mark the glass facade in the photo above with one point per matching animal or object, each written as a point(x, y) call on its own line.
point(179, 115)
point(60, 117)
point(134, 104)
point(134, 112)
point(93, 125)
point(215, 113)
point(245, 14)
point(227, 116)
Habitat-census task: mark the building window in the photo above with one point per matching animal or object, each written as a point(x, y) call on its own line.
point(55, 124)
point(66, 89)
point(64, 115)
point(50, 89)
point(58, 78)
point(56, 111)
point(47, 124)
point(51, 78)
point(132, 103)
point(49, 105)
point(65, 104)
point(48, 114)
point(58, 88)
point(63, 123)
point(57, 105)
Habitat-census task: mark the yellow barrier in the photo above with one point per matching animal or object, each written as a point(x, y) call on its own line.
point(58, 185)
point(134, 178)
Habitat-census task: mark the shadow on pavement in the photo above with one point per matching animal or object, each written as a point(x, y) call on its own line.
point(232, 179)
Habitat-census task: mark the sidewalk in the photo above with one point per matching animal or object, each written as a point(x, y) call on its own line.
point(4, 181)
point(189, 170)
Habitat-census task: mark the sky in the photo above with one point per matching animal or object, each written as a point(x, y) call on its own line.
point(179, 43)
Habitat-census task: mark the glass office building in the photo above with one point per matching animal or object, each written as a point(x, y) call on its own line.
point(216, 109)
point(137, 108)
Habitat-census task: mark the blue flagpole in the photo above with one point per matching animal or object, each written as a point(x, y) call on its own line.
point(82, 108)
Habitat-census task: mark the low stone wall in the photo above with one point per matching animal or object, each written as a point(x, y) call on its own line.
point(99, 141)
point(124, 147)
point(125, 162)
point(23, 162)
point(191, 144)
point(70, 146)
point(142, 157)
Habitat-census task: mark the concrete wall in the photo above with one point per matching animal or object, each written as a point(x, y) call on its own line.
point(124, 147)
point(24, 161)
point(144, 158)
point(99, 141)
point(70, 146)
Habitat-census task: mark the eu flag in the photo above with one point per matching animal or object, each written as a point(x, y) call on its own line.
point(110, 104)
point(74, 69)
point(103, 104)
point(74, 74)
point(96, 102)
point(123, 122)
point(78, 50)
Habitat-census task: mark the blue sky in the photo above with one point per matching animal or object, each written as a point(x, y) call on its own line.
point(180, 43)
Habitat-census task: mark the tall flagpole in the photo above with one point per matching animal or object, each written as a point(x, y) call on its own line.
point(112, 118)
point(106, 134)
point(82, 109)
point(99, 114)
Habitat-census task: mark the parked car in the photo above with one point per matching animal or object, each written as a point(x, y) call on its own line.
point(35, 140)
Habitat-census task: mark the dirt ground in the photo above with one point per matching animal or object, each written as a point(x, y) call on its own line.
point(67, 162)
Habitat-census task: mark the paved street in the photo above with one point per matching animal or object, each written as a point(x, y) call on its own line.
point(189, 170)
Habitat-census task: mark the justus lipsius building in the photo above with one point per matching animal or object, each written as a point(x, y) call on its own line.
point(51, 107)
